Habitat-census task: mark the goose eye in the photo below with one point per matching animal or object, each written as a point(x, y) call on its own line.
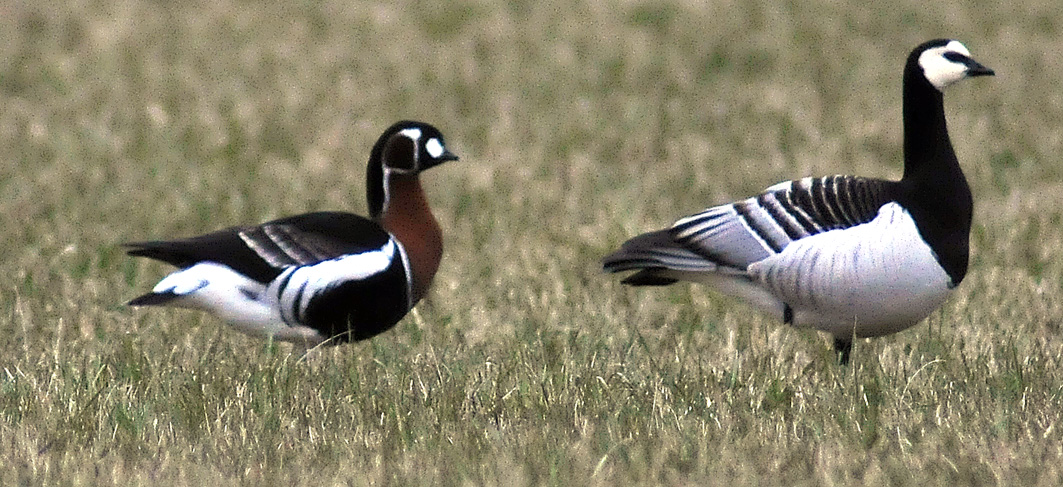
point(955, 57)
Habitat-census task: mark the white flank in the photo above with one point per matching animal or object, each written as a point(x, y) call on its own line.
point(303, 283)
point(253, 308)
point(736, 284)
point(183, 282)
point(879, 277)
point(940, 71)
point(218, 289)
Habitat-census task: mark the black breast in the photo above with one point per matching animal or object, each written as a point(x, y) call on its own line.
point(360, 309)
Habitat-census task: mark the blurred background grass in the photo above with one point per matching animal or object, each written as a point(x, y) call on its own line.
point(579, 124)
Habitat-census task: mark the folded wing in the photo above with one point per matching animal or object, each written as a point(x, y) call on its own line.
point(729, 238)
point(262, 252)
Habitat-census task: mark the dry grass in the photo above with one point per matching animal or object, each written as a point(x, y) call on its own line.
point(579, 124)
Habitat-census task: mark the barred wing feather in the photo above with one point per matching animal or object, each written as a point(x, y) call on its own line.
point(748, 231)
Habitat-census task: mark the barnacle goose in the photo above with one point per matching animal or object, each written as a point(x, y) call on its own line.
point(851, 256)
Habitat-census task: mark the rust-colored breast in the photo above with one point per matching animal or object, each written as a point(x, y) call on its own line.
point(409, 218)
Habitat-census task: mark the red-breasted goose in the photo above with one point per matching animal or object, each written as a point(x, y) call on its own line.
point(319, 276)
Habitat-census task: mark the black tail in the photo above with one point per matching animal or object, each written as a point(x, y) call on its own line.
point(168, 252)
point(152, 299)
point(654, 255)
point(649, 277)
point(224, 246)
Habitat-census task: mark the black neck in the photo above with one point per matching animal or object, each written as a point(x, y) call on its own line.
point(935, 191)
point(375, 192)
point(927, 149)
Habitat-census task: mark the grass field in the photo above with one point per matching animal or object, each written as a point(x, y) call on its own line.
point(579, 124)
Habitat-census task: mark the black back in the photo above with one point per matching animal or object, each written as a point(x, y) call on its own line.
point(261, 252)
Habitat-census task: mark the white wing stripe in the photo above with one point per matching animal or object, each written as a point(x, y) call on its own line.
point(840, 200)
point(819, 189)
point(808, 222)
point(297, 286)
point(763, 223)
point(782, 215)
point(749, 230)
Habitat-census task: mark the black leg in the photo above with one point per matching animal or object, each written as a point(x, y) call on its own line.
point(843, 348)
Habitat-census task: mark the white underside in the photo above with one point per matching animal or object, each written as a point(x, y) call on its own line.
point(242, 302)
point(257, 309)
point(869, 280)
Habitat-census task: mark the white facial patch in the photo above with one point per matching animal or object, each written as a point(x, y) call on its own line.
point(938, 70)
point(434, 147)
point(414, 134)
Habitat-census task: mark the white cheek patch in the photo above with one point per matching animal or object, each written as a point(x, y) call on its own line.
point(434, 147)
point(938, 70)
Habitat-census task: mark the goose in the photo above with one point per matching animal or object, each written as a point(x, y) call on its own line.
point(324, 276)
point(851, 256)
